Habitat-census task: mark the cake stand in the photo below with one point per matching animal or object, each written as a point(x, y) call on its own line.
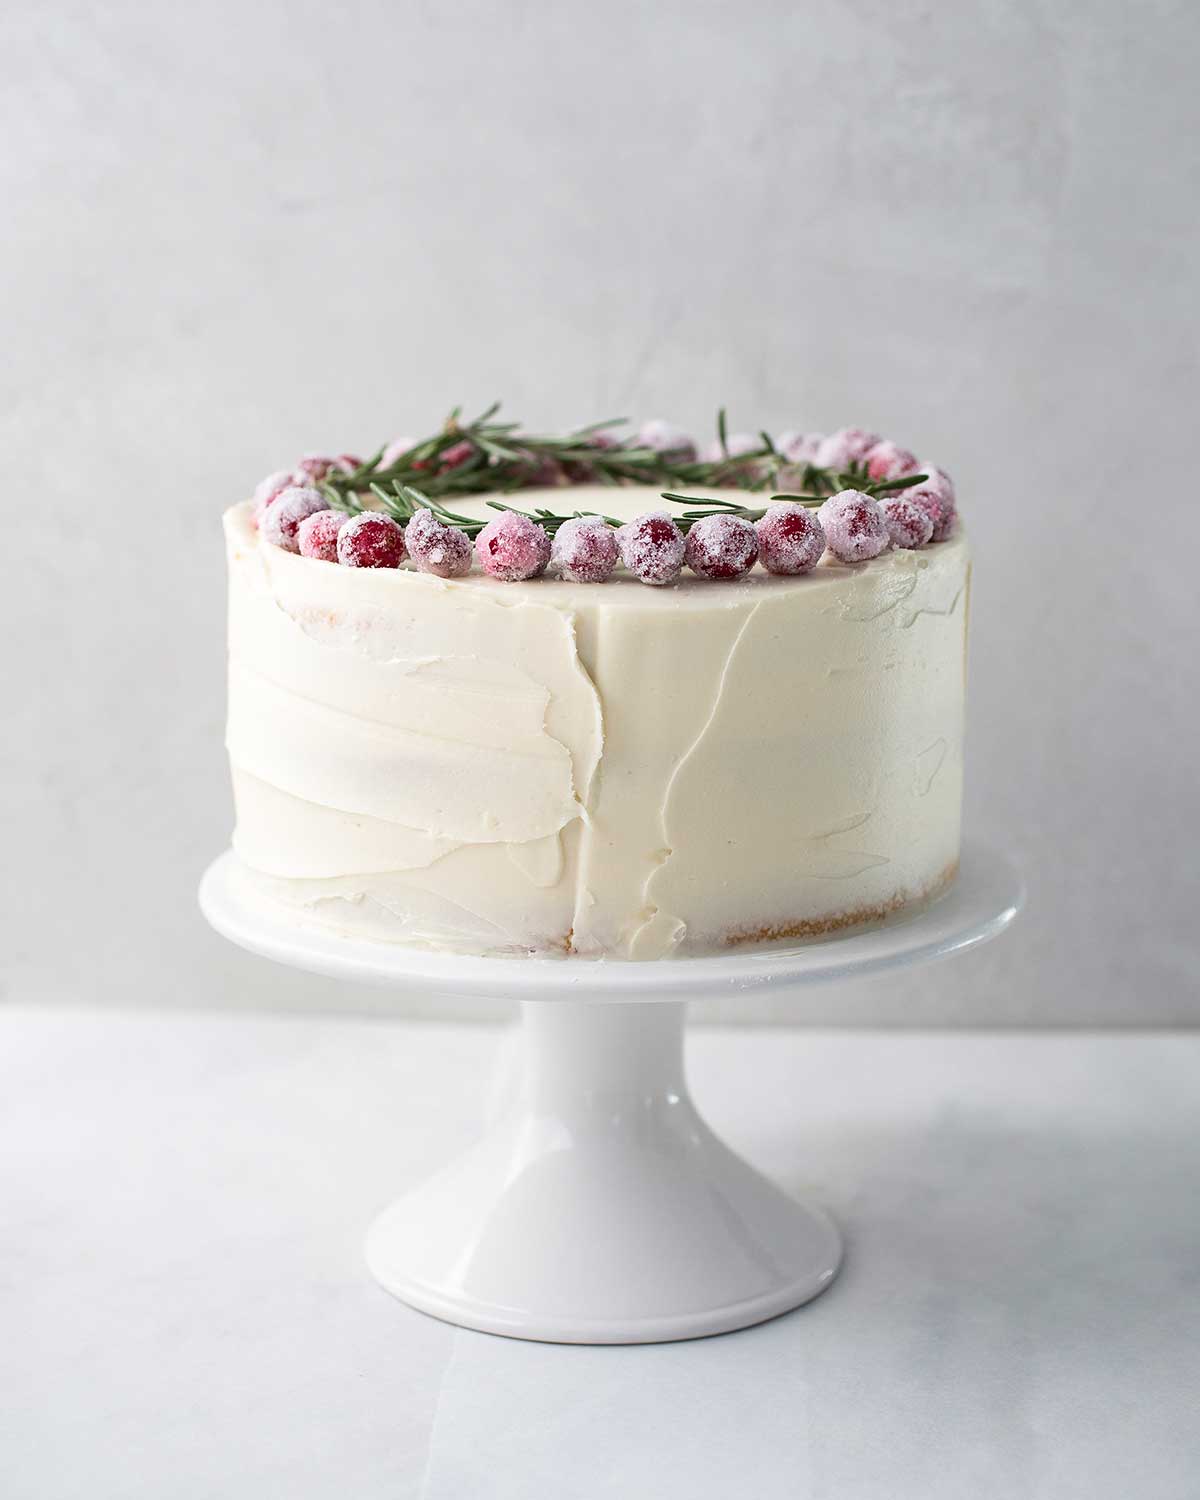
point(599, 1208)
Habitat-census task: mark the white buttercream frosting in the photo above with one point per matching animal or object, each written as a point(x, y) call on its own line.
point(600, 769)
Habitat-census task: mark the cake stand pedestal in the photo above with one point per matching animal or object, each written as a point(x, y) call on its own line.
point(599, 1208)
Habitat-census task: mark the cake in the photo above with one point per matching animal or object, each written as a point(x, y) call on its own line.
point(525, 743)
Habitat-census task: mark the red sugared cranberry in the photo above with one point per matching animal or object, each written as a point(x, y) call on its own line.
point(512, 548)
point(437, 548)
point(799, 447)
point(790, 539)
point(281, 519)
point(854, 526)
point(652, 548)
point(672, 442)
point(846, 446)
point(737, 445)
point(721, 547)
point(584, 549)
point(935, 495)
point(314, 467)
point(908, 524)
point(371, 540)
point(267, 490)
point(456, 454)
point(887, 460)
point(317, 534)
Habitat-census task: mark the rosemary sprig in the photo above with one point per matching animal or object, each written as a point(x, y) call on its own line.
point(486, 456)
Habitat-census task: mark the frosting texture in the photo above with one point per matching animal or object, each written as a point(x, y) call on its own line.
point(595, 769)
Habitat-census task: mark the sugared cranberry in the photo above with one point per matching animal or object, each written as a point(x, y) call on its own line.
point(799, 447)
point(737, 445)
point(281, 519)
point(584, 549)
point(846, 446)
point(314, 467)
point(854, 526)
point(721, 547)
point(790, 539)
point(672, 442)
point(456, 454)
point(512, 548)
point(579, 471)
point(935, 496)
point(395, 450)
point(268, 490)
point(317, 534)
point(907, 523)
point(539, 471)
point(371, 540)
point(437, 548)
point(652, 548)
point(887, 460)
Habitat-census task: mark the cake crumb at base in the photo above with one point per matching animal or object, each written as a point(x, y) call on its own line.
point(813, 928)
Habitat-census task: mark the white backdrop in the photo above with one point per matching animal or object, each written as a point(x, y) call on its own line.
point(235, 232)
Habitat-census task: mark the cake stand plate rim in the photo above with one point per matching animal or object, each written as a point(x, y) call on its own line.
point(986, 896)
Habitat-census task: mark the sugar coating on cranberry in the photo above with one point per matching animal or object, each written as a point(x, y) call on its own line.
point(281, 519)
point(938, 506)
point(584, 549)
point(267, 491)
point(371, 540)
point(314, 467)
point(887, 460)
point(939, 482)
point(908, 524)
point(512, 548)
point(721, 547)
point(791, 539)
point(799, 447)
point(456, 454)
point(317, 535)
point(652, 548)
point(846, 446)
point(437, 548)
point(854, 526)
point(671, 442)
point(737, 445)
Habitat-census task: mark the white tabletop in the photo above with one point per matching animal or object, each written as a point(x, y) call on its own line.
point(184, 1311)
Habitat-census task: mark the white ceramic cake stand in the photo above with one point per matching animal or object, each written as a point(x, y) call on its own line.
point(599, 1208)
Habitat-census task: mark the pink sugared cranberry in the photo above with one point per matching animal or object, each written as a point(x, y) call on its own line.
point(854, 526)
point(907, 523)
point(371, 540)
point(314, 467)
point(512, 548)
point(267, 490)
point(721, 547)
point(935, 496)
point(317, 535)
point(887, 460)
point(671, 442)
point(395, 450)
point(652, 548)
point(790, 539)
point(799, 447)
point(456, 454)
point(281, 519)
point(737, 445)
point(437, 548)
point(584, 549)
point(540, 471)
point(846, 446)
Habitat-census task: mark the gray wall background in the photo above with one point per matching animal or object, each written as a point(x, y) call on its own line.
point(235, 232)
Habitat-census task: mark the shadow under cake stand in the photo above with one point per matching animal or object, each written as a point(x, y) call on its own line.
point(599, 1208)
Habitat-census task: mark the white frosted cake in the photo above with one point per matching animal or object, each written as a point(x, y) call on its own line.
point(493, 764)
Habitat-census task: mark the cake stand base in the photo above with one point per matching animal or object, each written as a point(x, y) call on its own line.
point(600, 1208)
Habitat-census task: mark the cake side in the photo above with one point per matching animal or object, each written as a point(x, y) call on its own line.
point(613, 771)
